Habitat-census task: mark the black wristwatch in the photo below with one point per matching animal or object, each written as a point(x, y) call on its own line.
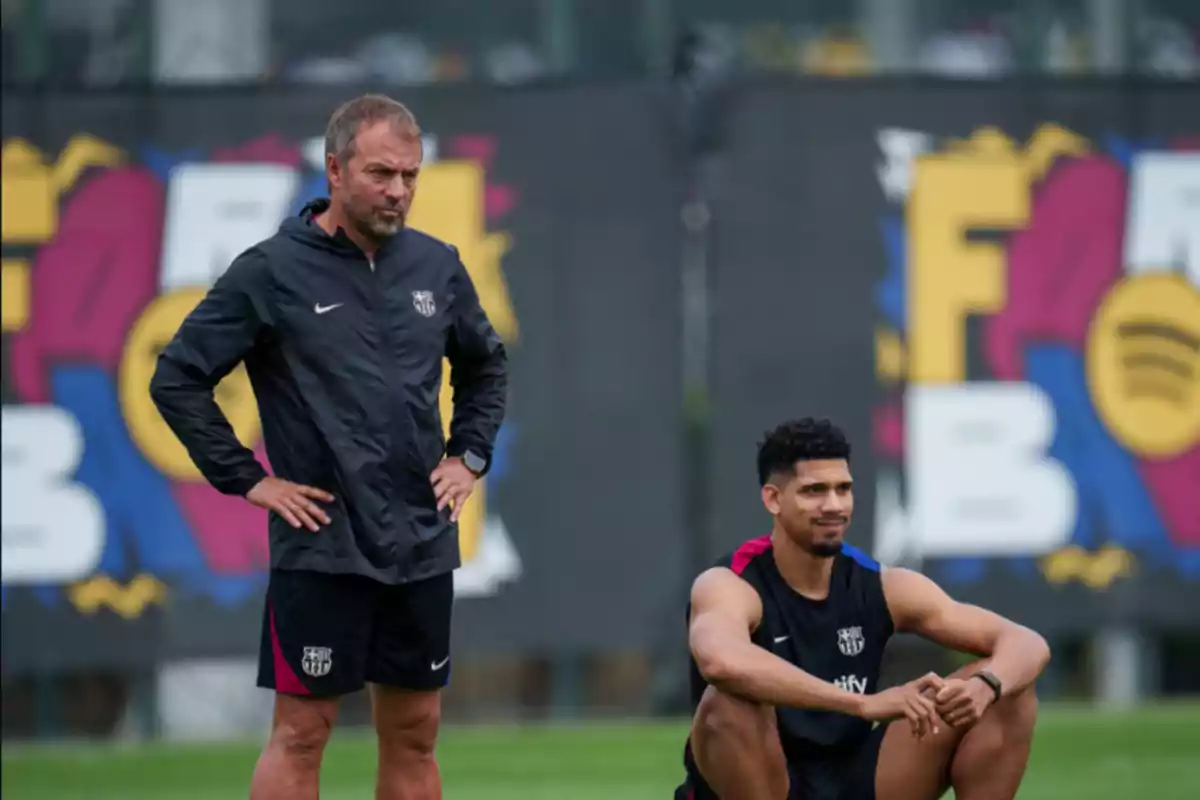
point(991, 680)
point(474, 462)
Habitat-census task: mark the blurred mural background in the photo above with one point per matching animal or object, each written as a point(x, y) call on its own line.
point(969, 231)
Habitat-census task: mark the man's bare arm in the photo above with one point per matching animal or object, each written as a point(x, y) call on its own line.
point(918, 605)
point(725, 610)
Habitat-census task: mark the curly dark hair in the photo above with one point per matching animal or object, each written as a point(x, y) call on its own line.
point(804, 439)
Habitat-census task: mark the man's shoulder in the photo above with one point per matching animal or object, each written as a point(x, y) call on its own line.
point(902, 582)
point(275, 247)
point(272, 259)
point(718, 580)
point(251, 266)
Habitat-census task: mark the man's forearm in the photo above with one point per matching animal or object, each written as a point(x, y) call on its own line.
point(1019, 657)
point(479, 407)
point(755, 674)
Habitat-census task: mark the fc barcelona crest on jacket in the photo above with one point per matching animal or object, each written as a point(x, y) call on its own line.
point(423, 302)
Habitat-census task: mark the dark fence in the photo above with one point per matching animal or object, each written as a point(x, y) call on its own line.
point(992, 287)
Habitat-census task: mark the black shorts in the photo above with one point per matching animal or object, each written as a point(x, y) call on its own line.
point(848, 777)
point(328, 635)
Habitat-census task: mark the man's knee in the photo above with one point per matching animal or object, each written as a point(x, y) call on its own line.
point(416, 733)
point(1017, 713)
point(302, 728)
point(1007, 725)
point(726, 718)
point(736, 746)
point(407, 721)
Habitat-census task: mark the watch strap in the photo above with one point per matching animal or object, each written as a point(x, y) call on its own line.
point(991, 680)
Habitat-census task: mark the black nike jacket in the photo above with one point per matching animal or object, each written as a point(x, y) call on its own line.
point(345, 358)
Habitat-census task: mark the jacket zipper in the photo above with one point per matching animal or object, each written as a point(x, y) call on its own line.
point(402, 439)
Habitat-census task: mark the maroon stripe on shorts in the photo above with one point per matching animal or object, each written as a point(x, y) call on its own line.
point(286, 681)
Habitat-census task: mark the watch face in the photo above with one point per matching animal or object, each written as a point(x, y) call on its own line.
point(473, 462)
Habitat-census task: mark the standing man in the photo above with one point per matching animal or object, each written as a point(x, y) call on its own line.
point(343, 318)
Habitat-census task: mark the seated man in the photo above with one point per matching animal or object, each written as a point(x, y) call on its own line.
point(787, 635)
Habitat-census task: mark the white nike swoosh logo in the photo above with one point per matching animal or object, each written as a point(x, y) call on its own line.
point(435, 666)
point(320, 309)
point(779, 639)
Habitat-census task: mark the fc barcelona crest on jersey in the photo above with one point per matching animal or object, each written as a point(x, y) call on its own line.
point(850, 641)
point(423, 302)
point(317, 661)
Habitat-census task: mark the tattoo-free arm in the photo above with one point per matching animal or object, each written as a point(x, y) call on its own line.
point(212, 340)
point(725, 610)
point(918, 605)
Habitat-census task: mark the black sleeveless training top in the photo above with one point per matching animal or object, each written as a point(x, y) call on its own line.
point(839, 639)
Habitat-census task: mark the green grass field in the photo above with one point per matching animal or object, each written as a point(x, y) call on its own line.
point(1152, 754)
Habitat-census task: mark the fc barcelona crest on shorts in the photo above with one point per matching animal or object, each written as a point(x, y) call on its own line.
point(423, 302)
point(317, 661)
point(850, 641)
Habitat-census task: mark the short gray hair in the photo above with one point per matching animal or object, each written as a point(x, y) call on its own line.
point(351, 116)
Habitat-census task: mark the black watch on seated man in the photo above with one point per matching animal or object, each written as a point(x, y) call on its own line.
point(991, 680)
point(474, 462)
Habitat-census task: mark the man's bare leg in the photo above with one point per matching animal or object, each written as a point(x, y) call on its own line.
point(407, 725)
point(736, 746)
point(290, 765)
point(990, 762)
point(986, 762)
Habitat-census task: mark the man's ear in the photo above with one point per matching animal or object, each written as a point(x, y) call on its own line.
point(333, 170)
point(771, 497)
